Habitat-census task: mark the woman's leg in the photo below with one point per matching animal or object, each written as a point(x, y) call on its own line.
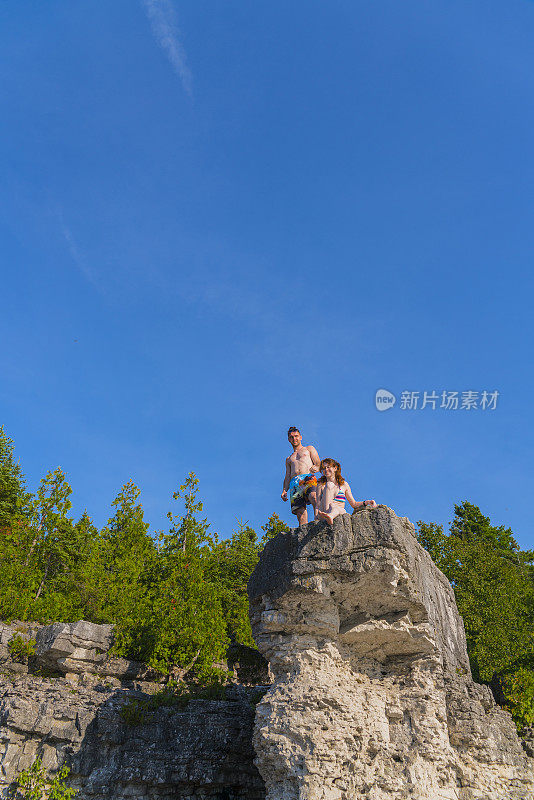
point(327, 509)
point(330, 491)
point(329, 516)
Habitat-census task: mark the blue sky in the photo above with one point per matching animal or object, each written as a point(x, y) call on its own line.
point(222, 219)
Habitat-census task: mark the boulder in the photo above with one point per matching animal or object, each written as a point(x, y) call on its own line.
point(73, 646)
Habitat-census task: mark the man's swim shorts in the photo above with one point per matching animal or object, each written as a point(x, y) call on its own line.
point(299, 489)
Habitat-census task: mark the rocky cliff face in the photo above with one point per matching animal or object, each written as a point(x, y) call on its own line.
point(371, 698)
point(70, 709)
point(372, 695)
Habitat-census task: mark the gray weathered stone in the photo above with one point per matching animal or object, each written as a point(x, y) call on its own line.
point(6, 634)
point(201, 751)
point(73, 647)
point(372, 694)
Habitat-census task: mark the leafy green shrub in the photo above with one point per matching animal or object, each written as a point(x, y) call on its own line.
point(20, 650)
point(135, 712)
point(33, 784)
point(518, 690)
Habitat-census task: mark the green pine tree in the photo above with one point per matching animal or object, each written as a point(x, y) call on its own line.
point(232, 562)
point(13, 493)
point(184, 628)
point(494, 591)
point(127, 556)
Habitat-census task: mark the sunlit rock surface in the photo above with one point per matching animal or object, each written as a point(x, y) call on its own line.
point(372, 695)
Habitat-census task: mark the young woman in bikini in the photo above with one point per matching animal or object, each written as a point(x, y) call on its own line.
point(333, 490)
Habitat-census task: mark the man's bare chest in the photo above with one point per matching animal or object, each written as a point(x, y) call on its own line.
point(301, 457)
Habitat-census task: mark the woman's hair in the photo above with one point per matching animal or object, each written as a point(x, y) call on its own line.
point(340, 480)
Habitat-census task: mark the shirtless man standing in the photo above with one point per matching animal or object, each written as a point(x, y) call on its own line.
point(300, 481)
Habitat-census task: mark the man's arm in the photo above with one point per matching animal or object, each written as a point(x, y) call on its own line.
point(314, 455)
point(287, 480)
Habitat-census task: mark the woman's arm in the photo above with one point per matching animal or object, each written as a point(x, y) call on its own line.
point(357, 503)
point(348, 494)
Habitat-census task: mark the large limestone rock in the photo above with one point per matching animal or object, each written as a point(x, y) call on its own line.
point(372, 695)
point(73, 646)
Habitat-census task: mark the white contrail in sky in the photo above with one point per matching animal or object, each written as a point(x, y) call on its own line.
point(165, 29)
point(77, 256)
